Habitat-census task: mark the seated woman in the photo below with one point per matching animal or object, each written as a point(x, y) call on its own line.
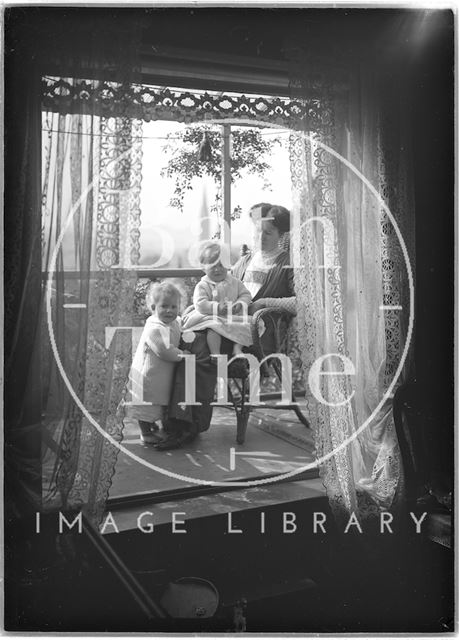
point(264, 274)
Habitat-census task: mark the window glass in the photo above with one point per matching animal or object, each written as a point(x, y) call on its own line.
point(172, 222)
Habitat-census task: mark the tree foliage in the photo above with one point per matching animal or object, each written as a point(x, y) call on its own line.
point(250, 152)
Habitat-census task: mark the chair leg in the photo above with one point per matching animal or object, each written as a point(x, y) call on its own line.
point(242, 414)
point(301, 417)
point(242, 417)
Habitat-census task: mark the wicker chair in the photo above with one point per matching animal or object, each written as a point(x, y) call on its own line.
point(271, 322)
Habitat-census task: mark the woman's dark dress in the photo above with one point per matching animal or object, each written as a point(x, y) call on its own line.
point(188, 420)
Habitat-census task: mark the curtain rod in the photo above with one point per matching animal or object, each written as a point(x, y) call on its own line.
point(200, 123)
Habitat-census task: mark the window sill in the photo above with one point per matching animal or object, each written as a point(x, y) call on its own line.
point(218, 504)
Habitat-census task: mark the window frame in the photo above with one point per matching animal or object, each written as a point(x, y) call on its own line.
point(264, 80)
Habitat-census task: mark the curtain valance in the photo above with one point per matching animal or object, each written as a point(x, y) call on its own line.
point(112, 99)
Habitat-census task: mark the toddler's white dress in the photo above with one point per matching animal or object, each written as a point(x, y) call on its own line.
point(153, 369)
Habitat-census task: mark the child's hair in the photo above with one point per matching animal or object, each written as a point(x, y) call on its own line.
point(162, 288)
point(210, 253)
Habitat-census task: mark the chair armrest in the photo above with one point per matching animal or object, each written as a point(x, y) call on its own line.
point(189, 308)
point(274, 318)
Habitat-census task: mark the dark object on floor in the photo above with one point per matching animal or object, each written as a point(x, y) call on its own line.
point(190, 598)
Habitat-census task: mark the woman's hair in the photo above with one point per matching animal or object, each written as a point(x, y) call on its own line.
point(210, 253)
point(279, 218)
point(264, 206)
point(162, 288)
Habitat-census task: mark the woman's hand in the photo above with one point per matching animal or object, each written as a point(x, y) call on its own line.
point(256, 306)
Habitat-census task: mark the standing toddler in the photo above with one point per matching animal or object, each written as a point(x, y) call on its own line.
point(153, 366)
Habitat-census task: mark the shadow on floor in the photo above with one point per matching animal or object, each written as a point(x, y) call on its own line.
point(276, 442)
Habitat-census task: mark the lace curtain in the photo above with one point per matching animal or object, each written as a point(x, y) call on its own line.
point(72, 179)
point(91, 171)
point(90, 231)
point(351, 267)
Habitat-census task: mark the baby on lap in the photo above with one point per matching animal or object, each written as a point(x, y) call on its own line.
point(220, 304)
